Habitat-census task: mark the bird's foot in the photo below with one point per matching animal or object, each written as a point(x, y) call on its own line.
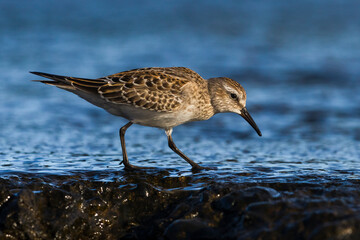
point(199, 168)
point(129, 167)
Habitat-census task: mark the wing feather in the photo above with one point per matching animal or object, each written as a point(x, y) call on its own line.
point(157, 89)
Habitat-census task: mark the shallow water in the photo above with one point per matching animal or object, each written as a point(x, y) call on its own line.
point(297, 61)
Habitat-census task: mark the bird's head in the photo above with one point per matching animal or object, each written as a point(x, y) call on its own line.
point(228, 95)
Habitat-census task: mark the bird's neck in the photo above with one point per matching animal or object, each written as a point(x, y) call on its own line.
point(214, 85)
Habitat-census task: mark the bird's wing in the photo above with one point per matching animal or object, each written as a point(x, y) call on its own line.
point(157, 89)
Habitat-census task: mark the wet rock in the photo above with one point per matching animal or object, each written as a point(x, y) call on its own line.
point(343, 229)
point(190, 229)
point(148, 206)
point(238, 200)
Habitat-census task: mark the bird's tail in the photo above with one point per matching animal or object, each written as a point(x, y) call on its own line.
point(71, 83)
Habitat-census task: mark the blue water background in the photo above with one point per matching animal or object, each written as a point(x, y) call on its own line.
point(299, 62)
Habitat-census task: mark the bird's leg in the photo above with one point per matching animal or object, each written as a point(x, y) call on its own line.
point(125, 160)
point(173, 147)
point(122, 131)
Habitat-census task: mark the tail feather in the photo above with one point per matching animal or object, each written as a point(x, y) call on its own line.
point(61, 85)
point(71, 83)
point(51, 76)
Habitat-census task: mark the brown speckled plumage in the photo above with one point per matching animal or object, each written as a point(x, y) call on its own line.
point(157, 89)
point(158, 97)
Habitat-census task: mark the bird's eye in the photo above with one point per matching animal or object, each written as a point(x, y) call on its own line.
point(233, 96)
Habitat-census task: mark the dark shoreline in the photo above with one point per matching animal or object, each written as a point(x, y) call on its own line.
point(156, 205)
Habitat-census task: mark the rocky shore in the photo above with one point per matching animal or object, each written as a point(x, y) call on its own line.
point(158, 205)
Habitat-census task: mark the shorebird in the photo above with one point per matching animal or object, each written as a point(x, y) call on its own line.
point(158, 97)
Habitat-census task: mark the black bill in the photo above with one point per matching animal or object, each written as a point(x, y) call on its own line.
point(246, 115)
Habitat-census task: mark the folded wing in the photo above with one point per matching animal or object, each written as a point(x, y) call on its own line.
point(156, 89)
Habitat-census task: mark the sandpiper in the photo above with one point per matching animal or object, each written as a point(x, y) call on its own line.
point(158, 97)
